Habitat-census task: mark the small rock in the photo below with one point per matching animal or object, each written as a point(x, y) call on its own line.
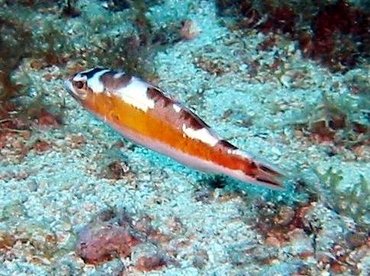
point(147, 257)
point(189, 30)
point(116, 170)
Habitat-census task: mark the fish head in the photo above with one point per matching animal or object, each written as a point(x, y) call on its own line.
point(87, 87)
point(99, 89)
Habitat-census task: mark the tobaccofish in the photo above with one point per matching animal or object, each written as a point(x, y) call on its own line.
point(144, 114)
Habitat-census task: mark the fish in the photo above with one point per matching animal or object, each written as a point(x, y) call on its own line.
point(146, 115)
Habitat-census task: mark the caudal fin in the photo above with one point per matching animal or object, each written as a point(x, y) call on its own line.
point(258, 172)
point(268, 176)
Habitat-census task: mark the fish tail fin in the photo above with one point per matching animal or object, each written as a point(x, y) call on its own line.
point(259, 172)
point(266, 175)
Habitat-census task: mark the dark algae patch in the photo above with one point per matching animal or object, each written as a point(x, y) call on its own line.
point(335, 34)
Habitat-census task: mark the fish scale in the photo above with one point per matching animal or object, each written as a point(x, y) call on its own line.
point(145, 115)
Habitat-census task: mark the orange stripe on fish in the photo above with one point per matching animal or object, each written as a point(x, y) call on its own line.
point(144, 114)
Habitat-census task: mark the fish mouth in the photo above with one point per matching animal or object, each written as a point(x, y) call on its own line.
point(69, 87)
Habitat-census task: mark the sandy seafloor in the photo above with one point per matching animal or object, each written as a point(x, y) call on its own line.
point(46, 199)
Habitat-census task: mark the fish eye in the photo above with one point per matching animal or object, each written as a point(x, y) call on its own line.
point(79, 84)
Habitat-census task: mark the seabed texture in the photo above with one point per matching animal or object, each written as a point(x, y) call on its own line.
point(77, 199)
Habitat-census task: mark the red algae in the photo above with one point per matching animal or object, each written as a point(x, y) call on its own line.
point(40, 146)
point(114, 235)
point(14, 131)
point(100, 243)
point(340, 36)
point(334, 34)
point(148, 257)
point(284, 225)
point(148, 263)
point(277, 224)
point(341, 258)
point(47, 119)
point(280, 19)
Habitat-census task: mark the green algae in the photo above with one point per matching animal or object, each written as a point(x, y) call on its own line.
point(339, 118)
point(352, 201)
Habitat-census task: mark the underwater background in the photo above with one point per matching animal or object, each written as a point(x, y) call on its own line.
point(288, 81)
